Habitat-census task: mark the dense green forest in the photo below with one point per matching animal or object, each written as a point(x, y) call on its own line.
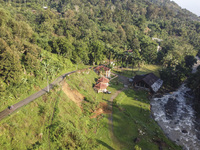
point(40, 40)
point(88, 32)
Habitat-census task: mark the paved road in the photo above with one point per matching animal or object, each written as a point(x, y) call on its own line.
point(29, 99)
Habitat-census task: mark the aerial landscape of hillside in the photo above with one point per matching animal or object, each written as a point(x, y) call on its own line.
point(99, 74)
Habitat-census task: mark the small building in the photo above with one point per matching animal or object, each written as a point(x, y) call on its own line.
point(101, 87)
point(103, 71)
point(149, 82)
point(103, 80)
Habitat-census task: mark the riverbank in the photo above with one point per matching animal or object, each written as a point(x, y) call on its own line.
point(174, 113)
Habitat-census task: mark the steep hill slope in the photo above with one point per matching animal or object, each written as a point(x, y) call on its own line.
point(176, 8)
point(88, 32)
point(53, 121)
point(63, 119)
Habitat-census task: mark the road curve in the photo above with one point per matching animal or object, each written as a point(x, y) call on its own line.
point(36, 95)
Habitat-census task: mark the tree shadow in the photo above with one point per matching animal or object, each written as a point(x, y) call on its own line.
point(105, 145)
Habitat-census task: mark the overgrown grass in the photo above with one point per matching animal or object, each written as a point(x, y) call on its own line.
point(132, 120)
point(84, 82)
point(129, 72)
point(53, 121)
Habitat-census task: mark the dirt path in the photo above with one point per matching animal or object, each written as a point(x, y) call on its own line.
point(110, 117)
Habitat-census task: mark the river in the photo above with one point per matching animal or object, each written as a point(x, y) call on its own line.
point(175, 115)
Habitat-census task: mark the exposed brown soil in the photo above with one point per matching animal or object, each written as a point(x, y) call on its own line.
point(73, 94)
point(103, 109)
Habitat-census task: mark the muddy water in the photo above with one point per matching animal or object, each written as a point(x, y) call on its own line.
point(176, 116)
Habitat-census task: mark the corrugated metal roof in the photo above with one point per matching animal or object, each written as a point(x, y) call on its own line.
point(150, 79)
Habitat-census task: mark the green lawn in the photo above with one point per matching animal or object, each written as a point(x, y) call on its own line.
point(131, 120)
point(129, 72)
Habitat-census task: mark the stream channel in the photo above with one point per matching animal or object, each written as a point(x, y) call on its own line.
point(175, 115)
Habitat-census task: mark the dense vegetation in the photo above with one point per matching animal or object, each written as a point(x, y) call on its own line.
point(53, 121)
point(88, 32)
point(194, 83)
point(39, 40)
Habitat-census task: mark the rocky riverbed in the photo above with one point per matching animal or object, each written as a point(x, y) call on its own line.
point(175, 114)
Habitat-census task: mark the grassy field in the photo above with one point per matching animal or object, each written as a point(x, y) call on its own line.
point(129, 72)
point(132, 122)
point(54, 121)
point(101, 129)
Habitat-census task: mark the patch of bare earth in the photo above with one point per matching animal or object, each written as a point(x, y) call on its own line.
point(73, 94)
point(102, 109)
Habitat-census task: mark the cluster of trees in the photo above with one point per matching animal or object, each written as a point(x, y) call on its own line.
point(175, 75)
point(16, 53)
point(88, 32)
point(194, 83)
point(177, 61)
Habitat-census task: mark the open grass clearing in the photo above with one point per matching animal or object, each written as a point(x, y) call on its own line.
point(132, 121)
point(129, 72)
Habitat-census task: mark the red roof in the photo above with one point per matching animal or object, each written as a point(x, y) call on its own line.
point(103, 79)
point(102, 67)
point(101, 86)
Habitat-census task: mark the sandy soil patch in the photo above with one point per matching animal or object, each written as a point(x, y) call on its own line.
point(73, 94)
point(103, 109)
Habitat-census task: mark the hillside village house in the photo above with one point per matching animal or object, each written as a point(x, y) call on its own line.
point(101, 87)
point(102, 84)
point(103, 80)
point(149, 82)
point(103, 71)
